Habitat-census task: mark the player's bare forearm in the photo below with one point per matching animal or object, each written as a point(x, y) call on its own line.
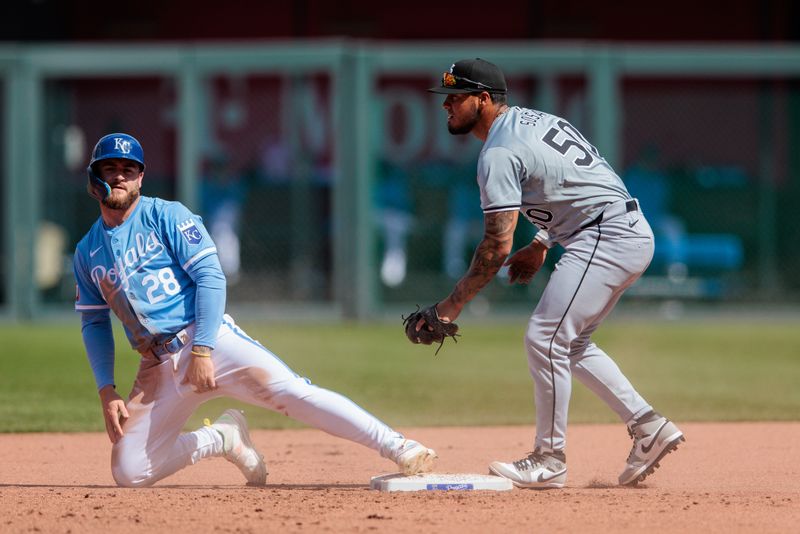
point(489, 256)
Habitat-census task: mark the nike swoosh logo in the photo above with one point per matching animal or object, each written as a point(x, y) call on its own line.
point(95, 251)
point(541, 477)
point(646, 448)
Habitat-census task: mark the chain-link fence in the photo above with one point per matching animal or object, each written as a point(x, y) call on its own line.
point(4, 252)
point(336, 174)
point(77, 112)
point(709, 159)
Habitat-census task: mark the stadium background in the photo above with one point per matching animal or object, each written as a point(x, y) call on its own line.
point(319, 109)
point(302, 132)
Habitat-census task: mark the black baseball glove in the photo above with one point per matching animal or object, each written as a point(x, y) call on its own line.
point(432, 331)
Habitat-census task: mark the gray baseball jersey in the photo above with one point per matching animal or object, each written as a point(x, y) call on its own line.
point(541, 165)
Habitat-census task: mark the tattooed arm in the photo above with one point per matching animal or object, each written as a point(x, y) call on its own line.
point(494, 248)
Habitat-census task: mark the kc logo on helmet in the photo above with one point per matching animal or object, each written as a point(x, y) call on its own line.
point(123, 145)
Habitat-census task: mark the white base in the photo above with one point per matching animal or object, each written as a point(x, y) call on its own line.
point(439, 482)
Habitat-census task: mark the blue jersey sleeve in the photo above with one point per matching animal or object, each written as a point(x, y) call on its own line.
point(96, 330)
point(98, 339)
point(87, 294)
point(189, 239)
point(209, 299)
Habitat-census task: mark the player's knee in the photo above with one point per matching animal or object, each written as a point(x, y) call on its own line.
point(129, 473)
point(536, 344)
point(577, 349)
point(128, 478)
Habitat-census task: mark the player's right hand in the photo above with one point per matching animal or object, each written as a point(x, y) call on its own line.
point(526, 262)
point(114, 412)
point(200, 374)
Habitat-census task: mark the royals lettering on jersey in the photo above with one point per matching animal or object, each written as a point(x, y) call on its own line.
point(112, 279)
point(541, 165)
point(140, 269)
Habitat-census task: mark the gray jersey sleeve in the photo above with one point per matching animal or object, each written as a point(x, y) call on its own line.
point(499, 179)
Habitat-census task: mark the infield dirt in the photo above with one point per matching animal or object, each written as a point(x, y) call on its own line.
point(727, 477)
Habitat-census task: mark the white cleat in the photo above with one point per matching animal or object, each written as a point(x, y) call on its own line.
point(237, 447)
point(413, 457)
point(654, 436)
point(538, 470)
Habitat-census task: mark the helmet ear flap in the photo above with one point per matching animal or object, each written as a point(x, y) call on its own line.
point(96, 187)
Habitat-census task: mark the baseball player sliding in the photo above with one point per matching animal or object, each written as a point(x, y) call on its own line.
point(539, 165)
point(153, 263)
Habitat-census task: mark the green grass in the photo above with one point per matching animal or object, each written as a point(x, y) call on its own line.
point(703, 371)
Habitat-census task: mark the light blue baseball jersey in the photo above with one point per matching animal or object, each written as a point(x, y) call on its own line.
point(141, 269)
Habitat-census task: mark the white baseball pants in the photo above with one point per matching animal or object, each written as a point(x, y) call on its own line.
point(153, 446)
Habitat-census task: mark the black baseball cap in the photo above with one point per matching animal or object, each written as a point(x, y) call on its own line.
point(472, 76)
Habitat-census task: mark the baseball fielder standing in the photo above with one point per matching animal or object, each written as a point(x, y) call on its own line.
point(153, 263)
point(539, 165)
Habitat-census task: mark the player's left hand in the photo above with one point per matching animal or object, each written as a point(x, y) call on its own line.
point(448, 310)
point(200, 374)
point(426, 327)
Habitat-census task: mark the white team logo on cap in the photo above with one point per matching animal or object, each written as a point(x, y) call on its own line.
point(123, 145)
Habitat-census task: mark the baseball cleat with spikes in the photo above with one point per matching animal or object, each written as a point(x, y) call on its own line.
point(413, 457)
point(237, 447)
point(654, 436)
point(538, 470)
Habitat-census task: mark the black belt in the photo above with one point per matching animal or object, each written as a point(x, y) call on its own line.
point(172, 345)
point(610, 211)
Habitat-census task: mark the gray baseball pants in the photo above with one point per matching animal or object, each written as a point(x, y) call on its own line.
point(598, 264)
